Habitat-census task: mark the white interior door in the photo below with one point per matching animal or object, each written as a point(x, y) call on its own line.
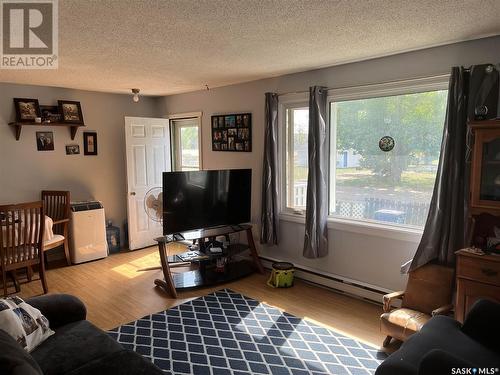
point(148, 156)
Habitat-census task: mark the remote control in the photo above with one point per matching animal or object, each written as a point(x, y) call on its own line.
point(215, 250)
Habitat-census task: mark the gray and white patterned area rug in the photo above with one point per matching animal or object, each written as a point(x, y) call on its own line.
point(227, 333)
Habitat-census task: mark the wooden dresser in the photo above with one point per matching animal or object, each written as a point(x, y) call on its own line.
point(478, 276)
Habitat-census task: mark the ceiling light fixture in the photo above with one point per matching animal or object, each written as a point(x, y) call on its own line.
point(135, 98)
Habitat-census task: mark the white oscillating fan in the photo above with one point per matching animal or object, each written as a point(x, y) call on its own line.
point(153, 204)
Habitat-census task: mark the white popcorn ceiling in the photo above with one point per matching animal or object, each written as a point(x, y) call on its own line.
point(167, 47)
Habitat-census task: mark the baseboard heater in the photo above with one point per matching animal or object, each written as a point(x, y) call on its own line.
point(337, 283)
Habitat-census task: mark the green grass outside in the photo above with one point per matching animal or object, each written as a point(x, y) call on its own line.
point(410, 180)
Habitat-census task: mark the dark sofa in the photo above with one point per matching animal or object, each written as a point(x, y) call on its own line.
point(443, 344)
point(77, 347)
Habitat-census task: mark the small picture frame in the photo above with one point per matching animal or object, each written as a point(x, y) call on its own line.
point(45, 141)
point(72, 149)
point(70, 111)
point(50, 113)
point(27, 110)
point(232, 132)
point(89, 143)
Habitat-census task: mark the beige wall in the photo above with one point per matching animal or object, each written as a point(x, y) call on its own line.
point(364, 257)
point(24, 171)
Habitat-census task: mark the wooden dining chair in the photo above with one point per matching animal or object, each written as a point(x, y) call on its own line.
point(21, 236)
point(56, 205)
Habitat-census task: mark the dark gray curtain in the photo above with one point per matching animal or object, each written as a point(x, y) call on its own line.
point(447, 222)
point(269, 217)
point(316, 236)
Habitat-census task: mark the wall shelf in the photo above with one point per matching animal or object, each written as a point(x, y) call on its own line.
point(19, 125)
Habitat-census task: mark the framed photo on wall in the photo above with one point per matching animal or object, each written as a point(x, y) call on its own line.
point(232, 132)
point(45, 141)
point(89, 143)
point(50, 113)
point(72, 149)
point(27, 110)
point(70, 111)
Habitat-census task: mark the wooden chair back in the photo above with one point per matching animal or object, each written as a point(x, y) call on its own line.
point(56, 205)
point(21, 235)
point(429, 287)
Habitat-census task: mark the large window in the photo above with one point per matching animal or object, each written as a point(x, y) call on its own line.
point(389, 186)
point(366, 183)
point(186, 134)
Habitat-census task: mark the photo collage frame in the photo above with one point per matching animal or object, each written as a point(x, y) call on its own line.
point(232, 132)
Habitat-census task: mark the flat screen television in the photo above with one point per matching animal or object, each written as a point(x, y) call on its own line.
point(205, 199)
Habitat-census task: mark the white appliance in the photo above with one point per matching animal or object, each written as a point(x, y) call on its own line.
point(88, 232)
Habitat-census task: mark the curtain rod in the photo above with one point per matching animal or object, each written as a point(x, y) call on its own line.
point(370, 84)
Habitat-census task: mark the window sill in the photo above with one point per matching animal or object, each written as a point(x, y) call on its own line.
point(363, 227)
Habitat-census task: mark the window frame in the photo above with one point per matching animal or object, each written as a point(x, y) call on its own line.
point(293, 101)
point(176, 125)
point(363, 226)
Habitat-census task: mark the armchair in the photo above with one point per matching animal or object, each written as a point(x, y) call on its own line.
point(428, 293)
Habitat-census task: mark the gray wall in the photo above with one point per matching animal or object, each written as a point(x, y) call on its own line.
point(24, 171)
point(363, 257)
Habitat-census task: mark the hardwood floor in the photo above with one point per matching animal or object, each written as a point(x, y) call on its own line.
point(115, 293)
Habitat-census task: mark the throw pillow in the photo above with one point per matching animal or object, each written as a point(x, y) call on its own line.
point(23, 323)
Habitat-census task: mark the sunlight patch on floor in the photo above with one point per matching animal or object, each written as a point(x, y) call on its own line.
point(265, 322)
point(131, 269)
point(347, 334)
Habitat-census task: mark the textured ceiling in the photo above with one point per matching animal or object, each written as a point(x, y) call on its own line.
point(166, 47)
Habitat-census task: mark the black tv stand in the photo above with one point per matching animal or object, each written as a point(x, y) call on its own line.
point(206, 273)
point(178, 237)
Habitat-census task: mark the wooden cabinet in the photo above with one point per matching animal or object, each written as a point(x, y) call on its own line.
point(485, 171)
point(478, 276)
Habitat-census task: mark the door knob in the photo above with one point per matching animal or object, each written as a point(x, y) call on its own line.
point(132, 193)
